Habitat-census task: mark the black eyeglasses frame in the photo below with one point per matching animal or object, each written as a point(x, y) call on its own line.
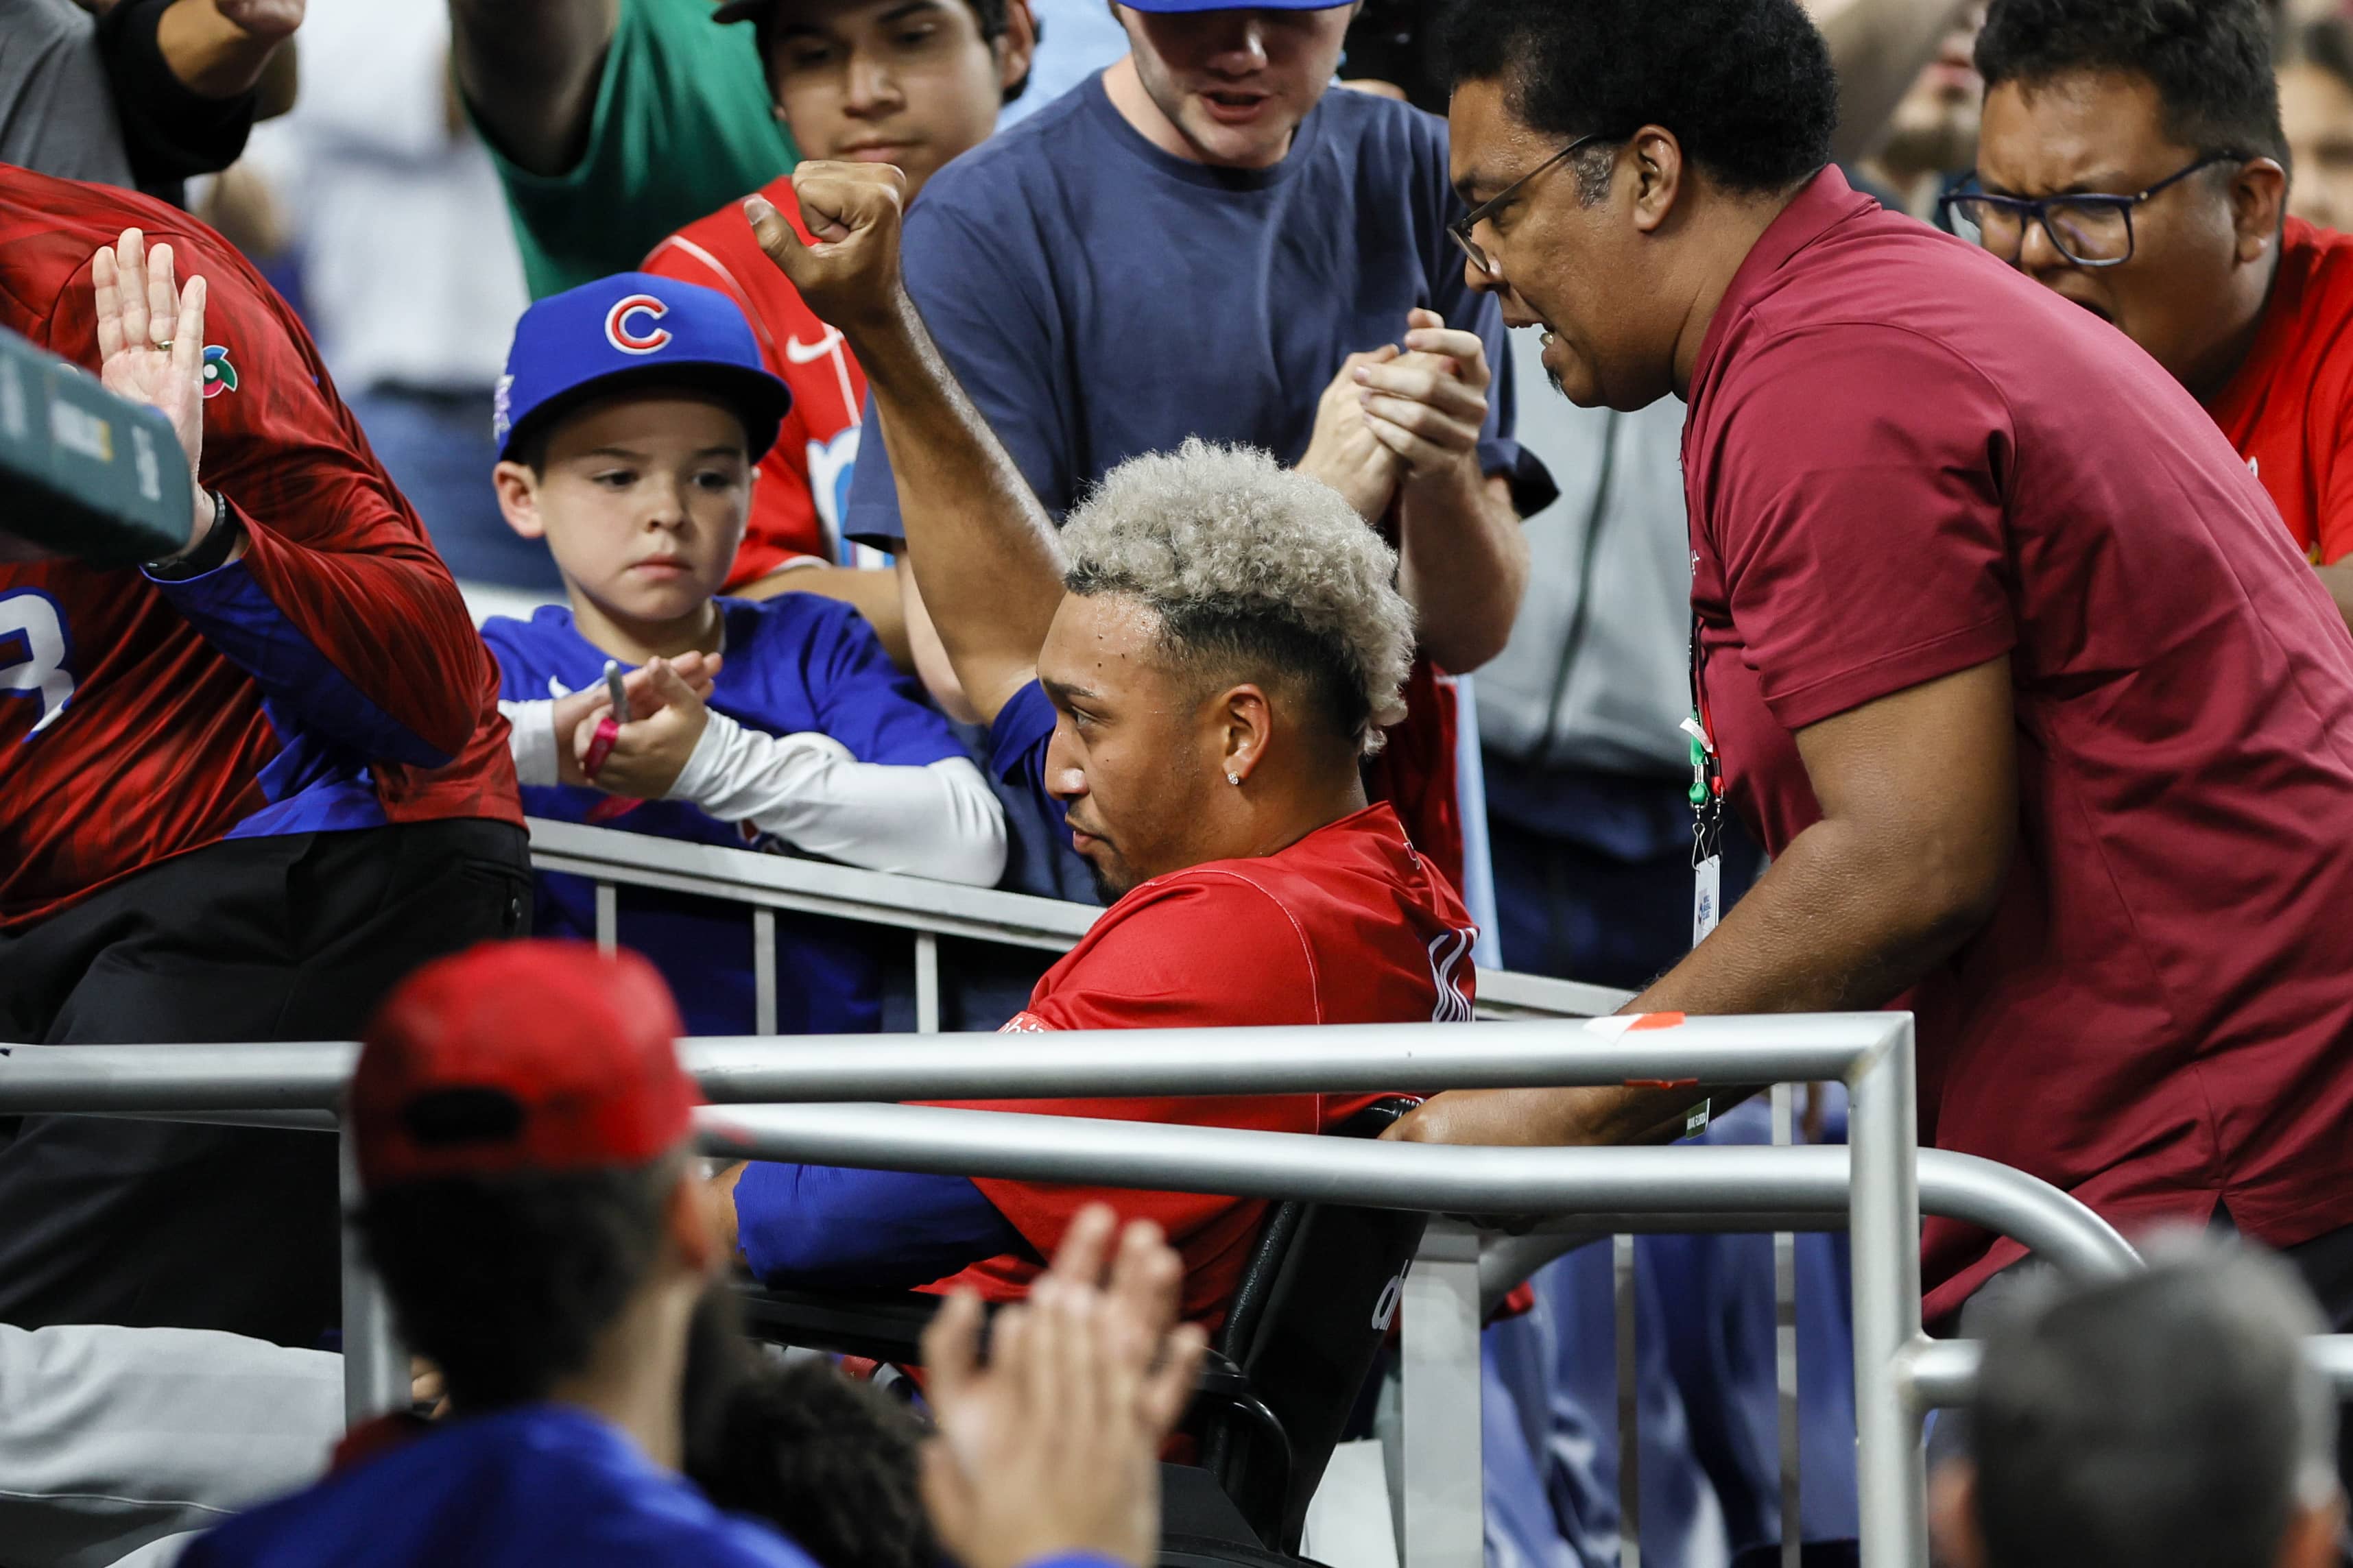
point(2031, 210)
point(1460, 227)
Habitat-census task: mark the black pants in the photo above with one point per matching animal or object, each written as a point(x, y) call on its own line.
point(292, 938)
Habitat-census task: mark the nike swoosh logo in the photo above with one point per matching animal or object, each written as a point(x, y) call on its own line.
point(800, 352)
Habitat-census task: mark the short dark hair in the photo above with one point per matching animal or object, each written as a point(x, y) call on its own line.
point(2327, 45)
point(506, 1283)
point(829, 1460)
point(2210, 60)
point(991, 15)
point(2164, 1417)
point(1746, 86)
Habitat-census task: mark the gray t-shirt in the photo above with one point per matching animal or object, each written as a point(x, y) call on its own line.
point(1597, 673)
point(56, 112)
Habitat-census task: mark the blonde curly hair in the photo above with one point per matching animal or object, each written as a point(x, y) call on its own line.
point(1251, 566)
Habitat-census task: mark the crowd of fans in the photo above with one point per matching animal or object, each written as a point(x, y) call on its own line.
point(1863, 616)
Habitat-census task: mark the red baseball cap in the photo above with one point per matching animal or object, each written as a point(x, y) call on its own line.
point(520, 1056)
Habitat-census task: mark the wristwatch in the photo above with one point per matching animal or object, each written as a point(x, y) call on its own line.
point(219, 540)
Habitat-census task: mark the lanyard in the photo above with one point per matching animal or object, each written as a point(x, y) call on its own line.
point(1707, 768)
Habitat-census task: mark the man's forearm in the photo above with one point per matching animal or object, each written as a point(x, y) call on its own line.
point(2338, 580)
point(212, 56)
point(1831, 927)
point(528, 68)
point(1464, 566)
point(1879, 48)
point(982, 549)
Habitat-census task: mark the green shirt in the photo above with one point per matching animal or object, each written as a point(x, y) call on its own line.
point(683, 126)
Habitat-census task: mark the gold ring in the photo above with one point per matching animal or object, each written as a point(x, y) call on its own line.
point(164, 346)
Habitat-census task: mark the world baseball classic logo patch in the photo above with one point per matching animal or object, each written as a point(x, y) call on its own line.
point(220, 375)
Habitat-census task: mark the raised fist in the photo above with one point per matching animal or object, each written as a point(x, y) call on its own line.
point(262, 18)
point(850, 276)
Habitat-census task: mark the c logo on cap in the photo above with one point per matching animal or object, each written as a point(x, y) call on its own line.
point(616, 324)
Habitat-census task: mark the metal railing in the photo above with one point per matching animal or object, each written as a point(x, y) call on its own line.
point(927, 909)
point(1878, 1180)
point(761, 1087)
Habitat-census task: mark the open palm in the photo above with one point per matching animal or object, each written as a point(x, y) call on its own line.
point(151, 336)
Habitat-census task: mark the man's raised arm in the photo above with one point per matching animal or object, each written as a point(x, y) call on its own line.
point(528, 70)
point(984, 555)
point(1879, 47)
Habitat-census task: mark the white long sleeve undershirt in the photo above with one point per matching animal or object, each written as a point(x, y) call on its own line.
point(938, 821)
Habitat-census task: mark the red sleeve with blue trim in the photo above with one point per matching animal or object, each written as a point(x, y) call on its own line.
point(330, 678)
point(344, 575)
point(830, 1227)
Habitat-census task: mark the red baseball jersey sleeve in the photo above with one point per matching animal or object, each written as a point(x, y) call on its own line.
point(329, 678)
point(805, 479)
point(1350, 925)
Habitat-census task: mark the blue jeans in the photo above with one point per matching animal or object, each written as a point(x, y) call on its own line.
point(437, 447)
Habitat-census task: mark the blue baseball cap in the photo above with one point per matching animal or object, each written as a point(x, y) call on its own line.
point(634, 329)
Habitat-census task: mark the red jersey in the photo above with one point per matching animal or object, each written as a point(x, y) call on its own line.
point(2289, 411)
point(1350, 925)
point(1903, 460)
point(805, 479)
point(330, 678)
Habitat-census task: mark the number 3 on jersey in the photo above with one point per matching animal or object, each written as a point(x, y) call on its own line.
point(33, 654)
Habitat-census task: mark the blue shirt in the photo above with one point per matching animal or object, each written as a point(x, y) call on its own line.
point(1100, 298)
point(515, 1489)
point(1017, 738)
point(794, 664)
point(824, 1228)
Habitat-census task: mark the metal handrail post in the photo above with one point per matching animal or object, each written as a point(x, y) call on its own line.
point(1444, 1473)
point(1884, 1226)
point(375, 1364)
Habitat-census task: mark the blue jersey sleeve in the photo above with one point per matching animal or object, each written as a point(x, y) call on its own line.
point(988, 296)
point(1017, 745)
point(1040, 859)
point(230, 606)
point(824, 1226)
point(864, 702)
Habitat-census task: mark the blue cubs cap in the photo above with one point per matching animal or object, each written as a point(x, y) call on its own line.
point(629, 329)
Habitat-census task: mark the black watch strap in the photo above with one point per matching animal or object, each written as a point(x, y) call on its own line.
point(219, 540)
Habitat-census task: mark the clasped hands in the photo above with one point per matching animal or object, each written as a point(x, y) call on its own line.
point(668, 712)
point(1402, 415)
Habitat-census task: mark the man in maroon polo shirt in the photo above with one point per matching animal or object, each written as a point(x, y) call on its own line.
point(2044, 720)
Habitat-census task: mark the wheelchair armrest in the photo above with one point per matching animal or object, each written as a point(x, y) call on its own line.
point(881, 1325)
point(888, 1326)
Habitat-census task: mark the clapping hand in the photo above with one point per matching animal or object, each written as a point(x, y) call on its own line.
point(1053, 1448)
point(667, 715)
point(1428, 405)
point(1344, 452)
point(575, 716)
point(151, 345)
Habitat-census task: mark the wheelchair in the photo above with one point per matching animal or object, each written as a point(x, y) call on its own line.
point(1288, 1368)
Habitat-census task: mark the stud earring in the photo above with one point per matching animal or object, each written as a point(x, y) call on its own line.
point(1234, 779)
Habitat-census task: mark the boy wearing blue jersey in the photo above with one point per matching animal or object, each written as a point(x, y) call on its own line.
point(630, 418)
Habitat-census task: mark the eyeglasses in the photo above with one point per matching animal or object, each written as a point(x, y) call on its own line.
point(2088, 230)
point(1460, 227)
